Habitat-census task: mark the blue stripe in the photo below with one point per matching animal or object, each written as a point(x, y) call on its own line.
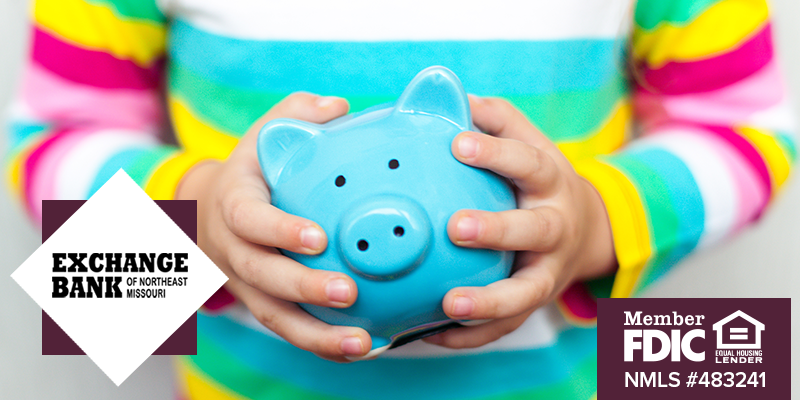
point(19, 131)
point(687, 202)
point(442, 377)
point(125, 159)
point(385, 68)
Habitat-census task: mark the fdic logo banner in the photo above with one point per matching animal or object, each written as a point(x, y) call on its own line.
point(693, 348)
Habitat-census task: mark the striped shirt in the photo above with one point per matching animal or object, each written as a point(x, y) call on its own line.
point(674, 109)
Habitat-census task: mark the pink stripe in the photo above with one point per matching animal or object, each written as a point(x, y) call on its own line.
point(713, 73)
point(219, 300)
point(94, 68)
point(65, 103)
point(751, 157)
point(752, 195)
point(736, 102)
point(43, 174)
point(579, 301)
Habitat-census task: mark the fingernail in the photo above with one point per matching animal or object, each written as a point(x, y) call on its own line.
point(468, 147)
point(467, 228)
point(462, 306)
point(476, 99)
point(311, 238)
point(323, 102)
point(338, 290)
point(352, 346)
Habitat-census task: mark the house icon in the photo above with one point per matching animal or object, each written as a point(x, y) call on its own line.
point(746, 334)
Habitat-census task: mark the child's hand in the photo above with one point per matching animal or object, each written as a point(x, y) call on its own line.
point(561, 228)
point(241, 231)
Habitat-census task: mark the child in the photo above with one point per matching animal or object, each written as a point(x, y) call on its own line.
point(606, 208)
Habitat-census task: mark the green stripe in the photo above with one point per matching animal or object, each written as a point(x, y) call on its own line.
point(582, 385)
point(649, 13)
point(601, 287)
point(655, 195)
point(561, 116)
point(138, 9)
point(571, 116)
point(230, 110)
point(219, 367)
point(234, 110)
point(138, 163)
point(243, 380)
point(663, 219)
point(787, 143)
point(144, 166)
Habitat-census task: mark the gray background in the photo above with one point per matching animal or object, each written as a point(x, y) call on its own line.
point(760, 262)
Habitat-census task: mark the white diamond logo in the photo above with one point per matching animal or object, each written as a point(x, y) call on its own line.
point(119, 334)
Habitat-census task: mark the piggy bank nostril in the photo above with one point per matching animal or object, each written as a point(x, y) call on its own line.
point(384, 237)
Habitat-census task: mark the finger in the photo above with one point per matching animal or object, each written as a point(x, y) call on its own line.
point(476, 336)
point(301, 329)
point(531, 169)
point(528, 289)
point(309, 107)
point(498, 117)
point(280, 276)
point(248, 214)
point(539, 229)
point(304, 106)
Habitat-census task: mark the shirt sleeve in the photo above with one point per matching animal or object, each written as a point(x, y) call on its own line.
point(715, 143)
point(90, 103)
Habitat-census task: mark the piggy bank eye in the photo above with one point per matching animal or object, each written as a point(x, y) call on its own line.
point(393, 164)
point(340, 181)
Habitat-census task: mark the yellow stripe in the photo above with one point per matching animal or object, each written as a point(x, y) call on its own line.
point(166, 177)
point(608, 138)
point(628, 222)
point(15, 169)
point(14, 176)
point(96, 27)
point(197, 136)
point(772, 152)
point(717, 30)
point(196, 386)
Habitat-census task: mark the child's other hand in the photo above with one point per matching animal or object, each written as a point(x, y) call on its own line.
point(561, 230)
point(241, 231)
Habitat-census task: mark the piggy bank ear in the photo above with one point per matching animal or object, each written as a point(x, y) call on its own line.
point(437, 91)
point(278, 141)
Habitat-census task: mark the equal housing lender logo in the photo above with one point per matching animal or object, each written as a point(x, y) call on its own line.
point(117, 277)
point(693, 348)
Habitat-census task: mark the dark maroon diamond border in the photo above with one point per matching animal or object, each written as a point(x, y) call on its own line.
point(55, 341)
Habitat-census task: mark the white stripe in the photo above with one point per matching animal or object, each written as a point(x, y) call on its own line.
point(541, 329)
point(369, 20)
point(738, 337)
point(19, 111)
point(79, 168)
point(738, 330)
point(717, 187)
point(778, 118)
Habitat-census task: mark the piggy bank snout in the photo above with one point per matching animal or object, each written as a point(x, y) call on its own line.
point(385, 237)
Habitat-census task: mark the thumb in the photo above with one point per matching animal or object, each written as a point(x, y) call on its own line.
point(303, 106)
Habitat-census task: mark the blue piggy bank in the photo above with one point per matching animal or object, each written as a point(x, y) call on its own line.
point(383, 183)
